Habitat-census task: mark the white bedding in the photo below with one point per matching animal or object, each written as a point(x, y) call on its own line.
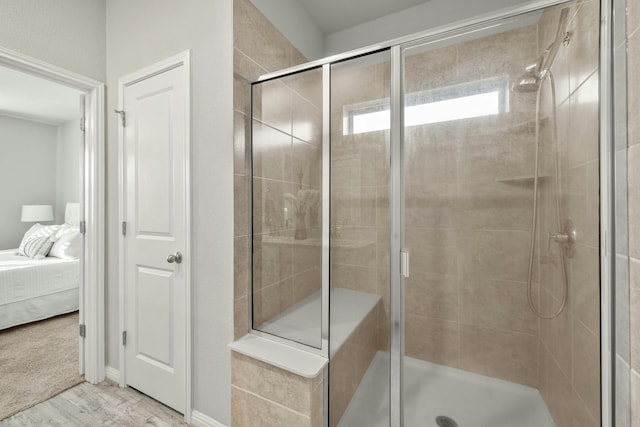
point(32, 290)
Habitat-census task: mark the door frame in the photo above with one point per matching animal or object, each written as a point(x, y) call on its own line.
point(92, 295)
point(180, 60)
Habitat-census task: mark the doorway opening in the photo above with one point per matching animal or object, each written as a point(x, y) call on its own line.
point(51, 235)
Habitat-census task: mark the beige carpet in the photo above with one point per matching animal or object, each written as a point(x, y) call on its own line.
point(37, 361)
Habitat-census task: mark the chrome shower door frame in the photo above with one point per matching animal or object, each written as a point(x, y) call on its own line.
point(607, 193)
point(607, 185)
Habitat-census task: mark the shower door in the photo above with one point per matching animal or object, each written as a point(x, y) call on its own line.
point(500, 313)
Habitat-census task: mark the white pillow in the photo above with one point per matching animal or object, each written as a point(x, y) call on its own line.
point(38, 247)
point(68, 245)
point(38, 230)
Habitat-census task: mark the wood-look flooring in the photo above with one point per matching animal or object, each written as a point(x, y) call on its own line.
point(97, 405)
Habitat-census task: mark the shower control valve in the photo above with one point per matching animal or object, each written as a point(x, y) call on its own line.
point(566, 238)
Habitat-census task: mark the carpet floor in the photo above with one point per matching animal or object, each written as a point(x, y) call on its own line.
point(37, 361)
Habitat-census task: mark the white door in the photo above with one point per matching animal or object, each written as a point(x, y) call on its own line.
point(155, 166)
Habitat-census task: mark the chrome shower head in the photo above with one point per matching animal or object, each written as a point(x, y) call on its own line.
point(536, 72)
point(530, 80)
point(526, 83)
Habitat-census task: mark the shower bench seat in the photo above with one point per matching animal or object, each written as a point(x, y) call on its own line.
point(348, 311)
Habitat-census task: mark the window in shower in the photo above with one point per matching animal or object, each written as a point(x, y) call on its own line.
point(463, 101)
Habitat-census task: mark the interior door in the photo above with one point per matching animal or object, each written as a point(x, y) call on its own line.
point(155, 143)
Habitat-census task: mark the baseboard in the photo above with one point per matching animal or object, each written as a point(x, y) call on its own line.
point(112, 374)
point(198, 419)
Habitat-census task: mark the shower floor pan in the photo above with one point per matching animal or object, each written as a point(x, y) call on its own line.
point(433, 390)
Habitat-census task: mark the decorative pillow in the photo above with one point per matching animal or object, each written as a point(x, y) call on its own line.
point(38, 247)
point(68, 245)
point(37, 230)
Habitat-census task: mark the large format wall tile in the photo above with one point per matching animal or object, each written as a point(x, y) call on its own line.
point(432, 339)
point(497, 304)
point(511, 356)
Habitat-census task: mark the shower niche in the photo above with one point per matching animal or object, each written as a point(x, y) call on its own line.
point(408, 211)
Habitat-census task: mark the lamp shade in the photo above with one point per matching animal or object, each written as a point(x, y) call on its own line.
point(37, 213)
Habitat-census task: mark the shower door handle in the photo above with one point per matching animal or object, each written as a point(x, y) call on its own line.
point(404, 263)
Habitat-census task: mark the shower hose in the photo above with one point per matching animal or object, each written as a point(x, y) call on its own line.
point(548, 76)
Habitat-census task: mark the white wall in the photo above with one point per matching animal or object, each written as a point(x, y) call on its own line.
point(431, 14)
point(27, 173)
point(140, 33)
point(68, 166)
point(69, 33)
point(294, 22)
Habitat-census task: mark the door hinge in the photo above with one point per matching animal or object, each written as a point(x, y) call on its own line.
point(83, 331)
point(124, 337)
point(83, 117)
point(123, 117)
point(404, 263)
point(124, 228)
point(83, 227)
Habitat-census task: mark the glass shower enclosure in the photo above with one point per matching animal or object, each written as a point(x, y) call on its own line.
point(427, 215)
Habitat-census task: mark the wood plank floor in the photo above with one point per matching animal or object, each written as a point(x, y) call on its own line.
point(97, 405)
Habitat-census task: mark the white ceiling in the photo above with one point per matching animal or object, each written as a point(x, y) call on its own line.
point(34, 98)
point(336, 15)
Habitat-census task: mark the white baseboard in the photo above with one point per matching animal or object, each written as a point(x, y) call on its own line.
point(199, 419)
point(112, 374)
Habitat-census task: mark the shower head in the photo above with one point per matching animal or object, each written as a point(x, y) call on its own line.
point(526, 83)
point(538, 71)
point(530, 80)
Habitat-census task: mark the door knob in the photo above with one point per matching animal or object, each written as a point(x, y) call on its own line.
point(177, 258)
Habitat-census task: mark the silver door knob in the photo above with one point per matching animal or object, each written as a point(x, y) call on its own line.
point(177, 258)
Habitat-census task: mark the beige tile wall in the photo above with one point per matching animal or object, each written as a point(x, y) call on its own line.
point(633, 113)
point(279, 398)
point(348, 366)
point(287, 162)
point(286, 272)
point(570, 344)
point(468, 232)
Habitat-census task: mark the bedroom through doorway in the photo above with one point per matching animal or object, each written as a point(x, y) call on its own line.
point(41, 239)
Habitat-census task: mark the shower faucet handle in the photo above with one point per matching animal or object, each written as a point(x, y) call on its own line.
point(558, 238)
point(566, 238)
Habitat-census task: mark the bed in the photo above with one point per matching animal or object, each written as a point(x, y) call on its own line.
point(36, 289)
